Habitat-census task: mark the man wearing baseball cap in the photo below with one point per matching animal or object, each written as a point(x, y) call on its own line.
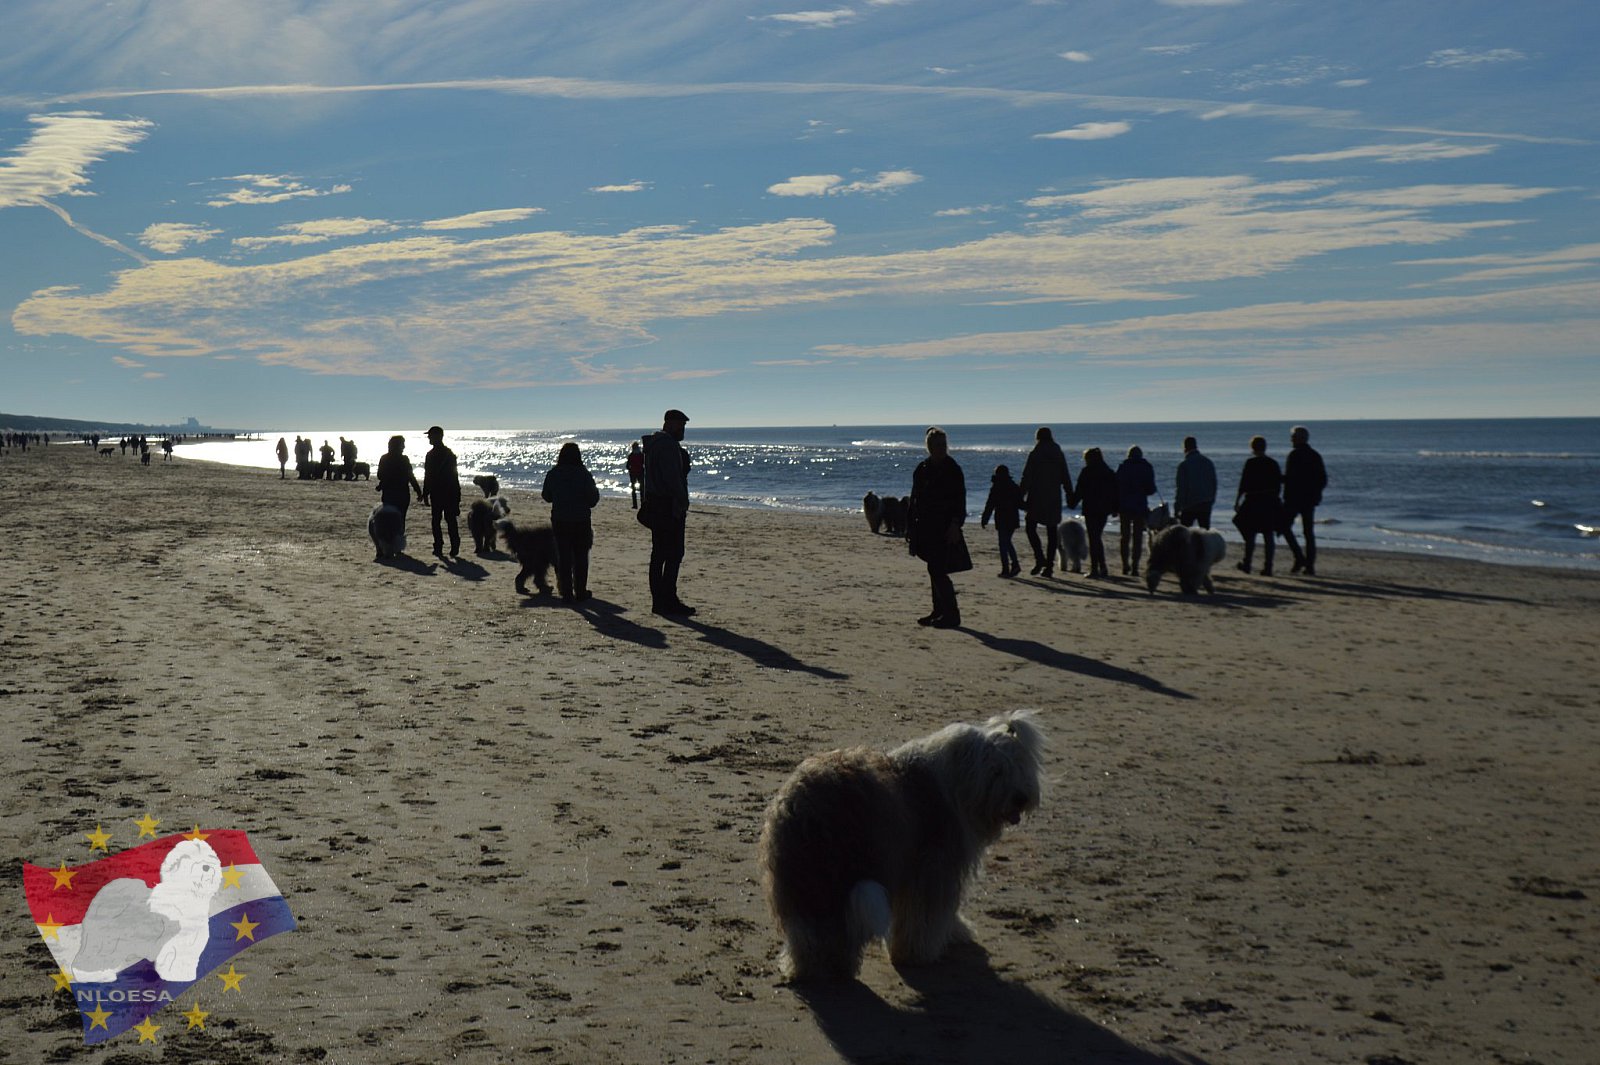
point(666, 499)
point(441, 487)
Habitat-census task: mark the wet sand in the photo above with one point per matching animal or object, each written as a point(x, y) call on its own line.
point(1353, 818)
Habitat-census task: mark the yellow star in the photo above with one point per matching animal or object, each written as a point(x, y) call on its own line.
point(247, 928)
point(195, 834)
point(147, 1031)
point(63, 980)
point(230, 979)
point(231, 877)
point(63, 876)
point(48, 929)
point(147, 826)
point(197, 1017)
point(98, 1018)
point(98, 839)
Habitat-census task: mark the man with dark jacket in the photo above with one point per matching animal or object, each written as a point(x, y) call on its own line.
point(666, 501)
point(1136, 482)
point(1044, 478)
point(441, 489)
point(1304, 478)
point(1197, 486)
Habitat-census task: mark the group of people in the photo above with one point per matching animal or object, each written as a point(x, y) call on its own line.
point(307, 470)
point(1267, 503)
point(661, 471)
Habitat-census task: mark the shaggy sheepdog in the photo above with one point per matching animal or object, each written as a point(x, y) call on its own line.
point(387, 527)
point(168, 924)
point(893, 510)
point(861, 845)
point(489, 483)
point(1073, 537)
point(872, 507)
point(361, 471)
point(535, 548)
point(1190, 553)
point(481, 517)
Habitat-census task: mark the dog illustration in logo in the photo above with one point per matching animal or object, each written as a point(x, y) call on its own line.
point(169, 924)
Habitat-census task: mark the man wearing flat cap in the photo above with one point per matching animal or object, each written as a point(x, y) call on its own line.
point(666, 501)
point(441, 488)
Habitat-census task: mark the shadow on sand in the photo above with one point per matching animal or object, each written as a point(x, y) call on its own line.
point(608, 620)
point(1034, 651)
point(965, 1013)
point(465, 569)
point(406, 564)
point(758, 651)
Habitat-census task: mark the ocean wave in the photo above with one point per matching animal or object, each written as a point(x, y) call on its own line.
point(1484, 548)
point(1559, 456)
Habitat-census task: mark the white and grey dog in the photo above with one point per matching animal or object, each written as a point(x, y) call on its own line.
point(169, 924)
point(1190, 553)
point(861, 845)
point(1073, 537)
point(387, 527)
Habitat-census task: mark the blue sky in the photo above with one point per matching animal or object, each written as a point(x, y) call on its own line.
point(552, 214)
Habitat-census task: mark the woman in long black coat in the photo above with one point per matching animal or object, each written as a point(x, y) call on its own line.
point(1096, 495)
point(938, 506)
point(1256, 506)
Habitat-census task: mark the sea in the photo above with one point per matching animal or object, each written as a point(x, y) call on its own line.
point(1511, 491)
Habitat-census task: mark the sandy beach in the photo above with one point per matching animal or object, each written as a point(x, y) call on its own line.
point(1353, 818)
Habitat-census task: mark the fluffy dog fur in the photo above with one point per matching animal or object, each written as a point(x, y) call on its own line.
point(861, 845)
point(481, 516)
point(535, 548)
point(489, 483)
point(168, 924)
point(387, 527)
point(1073, 538)
point(893, 510)
point(872, 507)
point(361, 471)
point(1188, 552)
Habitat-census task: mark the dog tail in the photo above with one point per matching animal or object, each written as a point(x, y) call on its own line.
point(868, 912)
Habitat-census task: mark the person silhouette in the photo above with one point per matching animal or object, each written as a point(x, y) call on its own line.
point(441, 489)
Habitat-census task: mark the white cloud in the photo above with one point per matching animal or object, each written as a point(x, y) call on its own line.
point(170, 238)
point(1086, 131)
point(255, 189)
point(834, 185)
point(963, 212)
point(1172, 49)
point(817, 20)
point(632, 186)
point(1417, 197)
point(557, 307)
point(1465, 57)
point(482, 219)
point(1352, 83)
point(1496, 268)
point(55, 159)
point(1076, 57)
point(1420, 152)
point(319, 231)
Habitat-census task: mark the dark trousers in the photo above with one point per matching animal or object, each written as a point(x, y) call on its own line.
point(1268, 545)
point(1196, 515)
point(448, 512)
point(1041, 556)
point(1131, 541)
point(573, 540)
point(666, 552)
point(1008, 550)
point(1307, 516)
point(1095, 526)
point(944, 593)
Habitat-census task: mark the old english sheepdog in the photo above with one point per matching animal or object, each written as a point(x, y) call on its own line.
point(861, 845)
point(481, 516)
point(1190, 553)
point(488, 482)
point(872, 507)
point(535, 548)
point(1073, 536)
point(169, 924)
point(387, 527)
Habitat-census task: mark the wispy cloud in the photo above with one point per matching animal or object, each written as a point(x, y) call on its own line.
point(1467, 57)
point(482, 219)
point(834, 185)
point(963, 212)
point(1201, 3)
point(1172, 49)
point(1508, 267)
point(558, 307)
point(319, 231)
point(56, 157)
point(632, 186)
point(816, 20)
point(256, 189)
point(1076, 57)
point(170, 238)
point(1086, 131)
point(1419, 152)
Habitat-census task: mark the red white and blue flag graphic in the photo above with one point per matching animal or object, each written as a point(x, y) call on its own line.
point(133, 931)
